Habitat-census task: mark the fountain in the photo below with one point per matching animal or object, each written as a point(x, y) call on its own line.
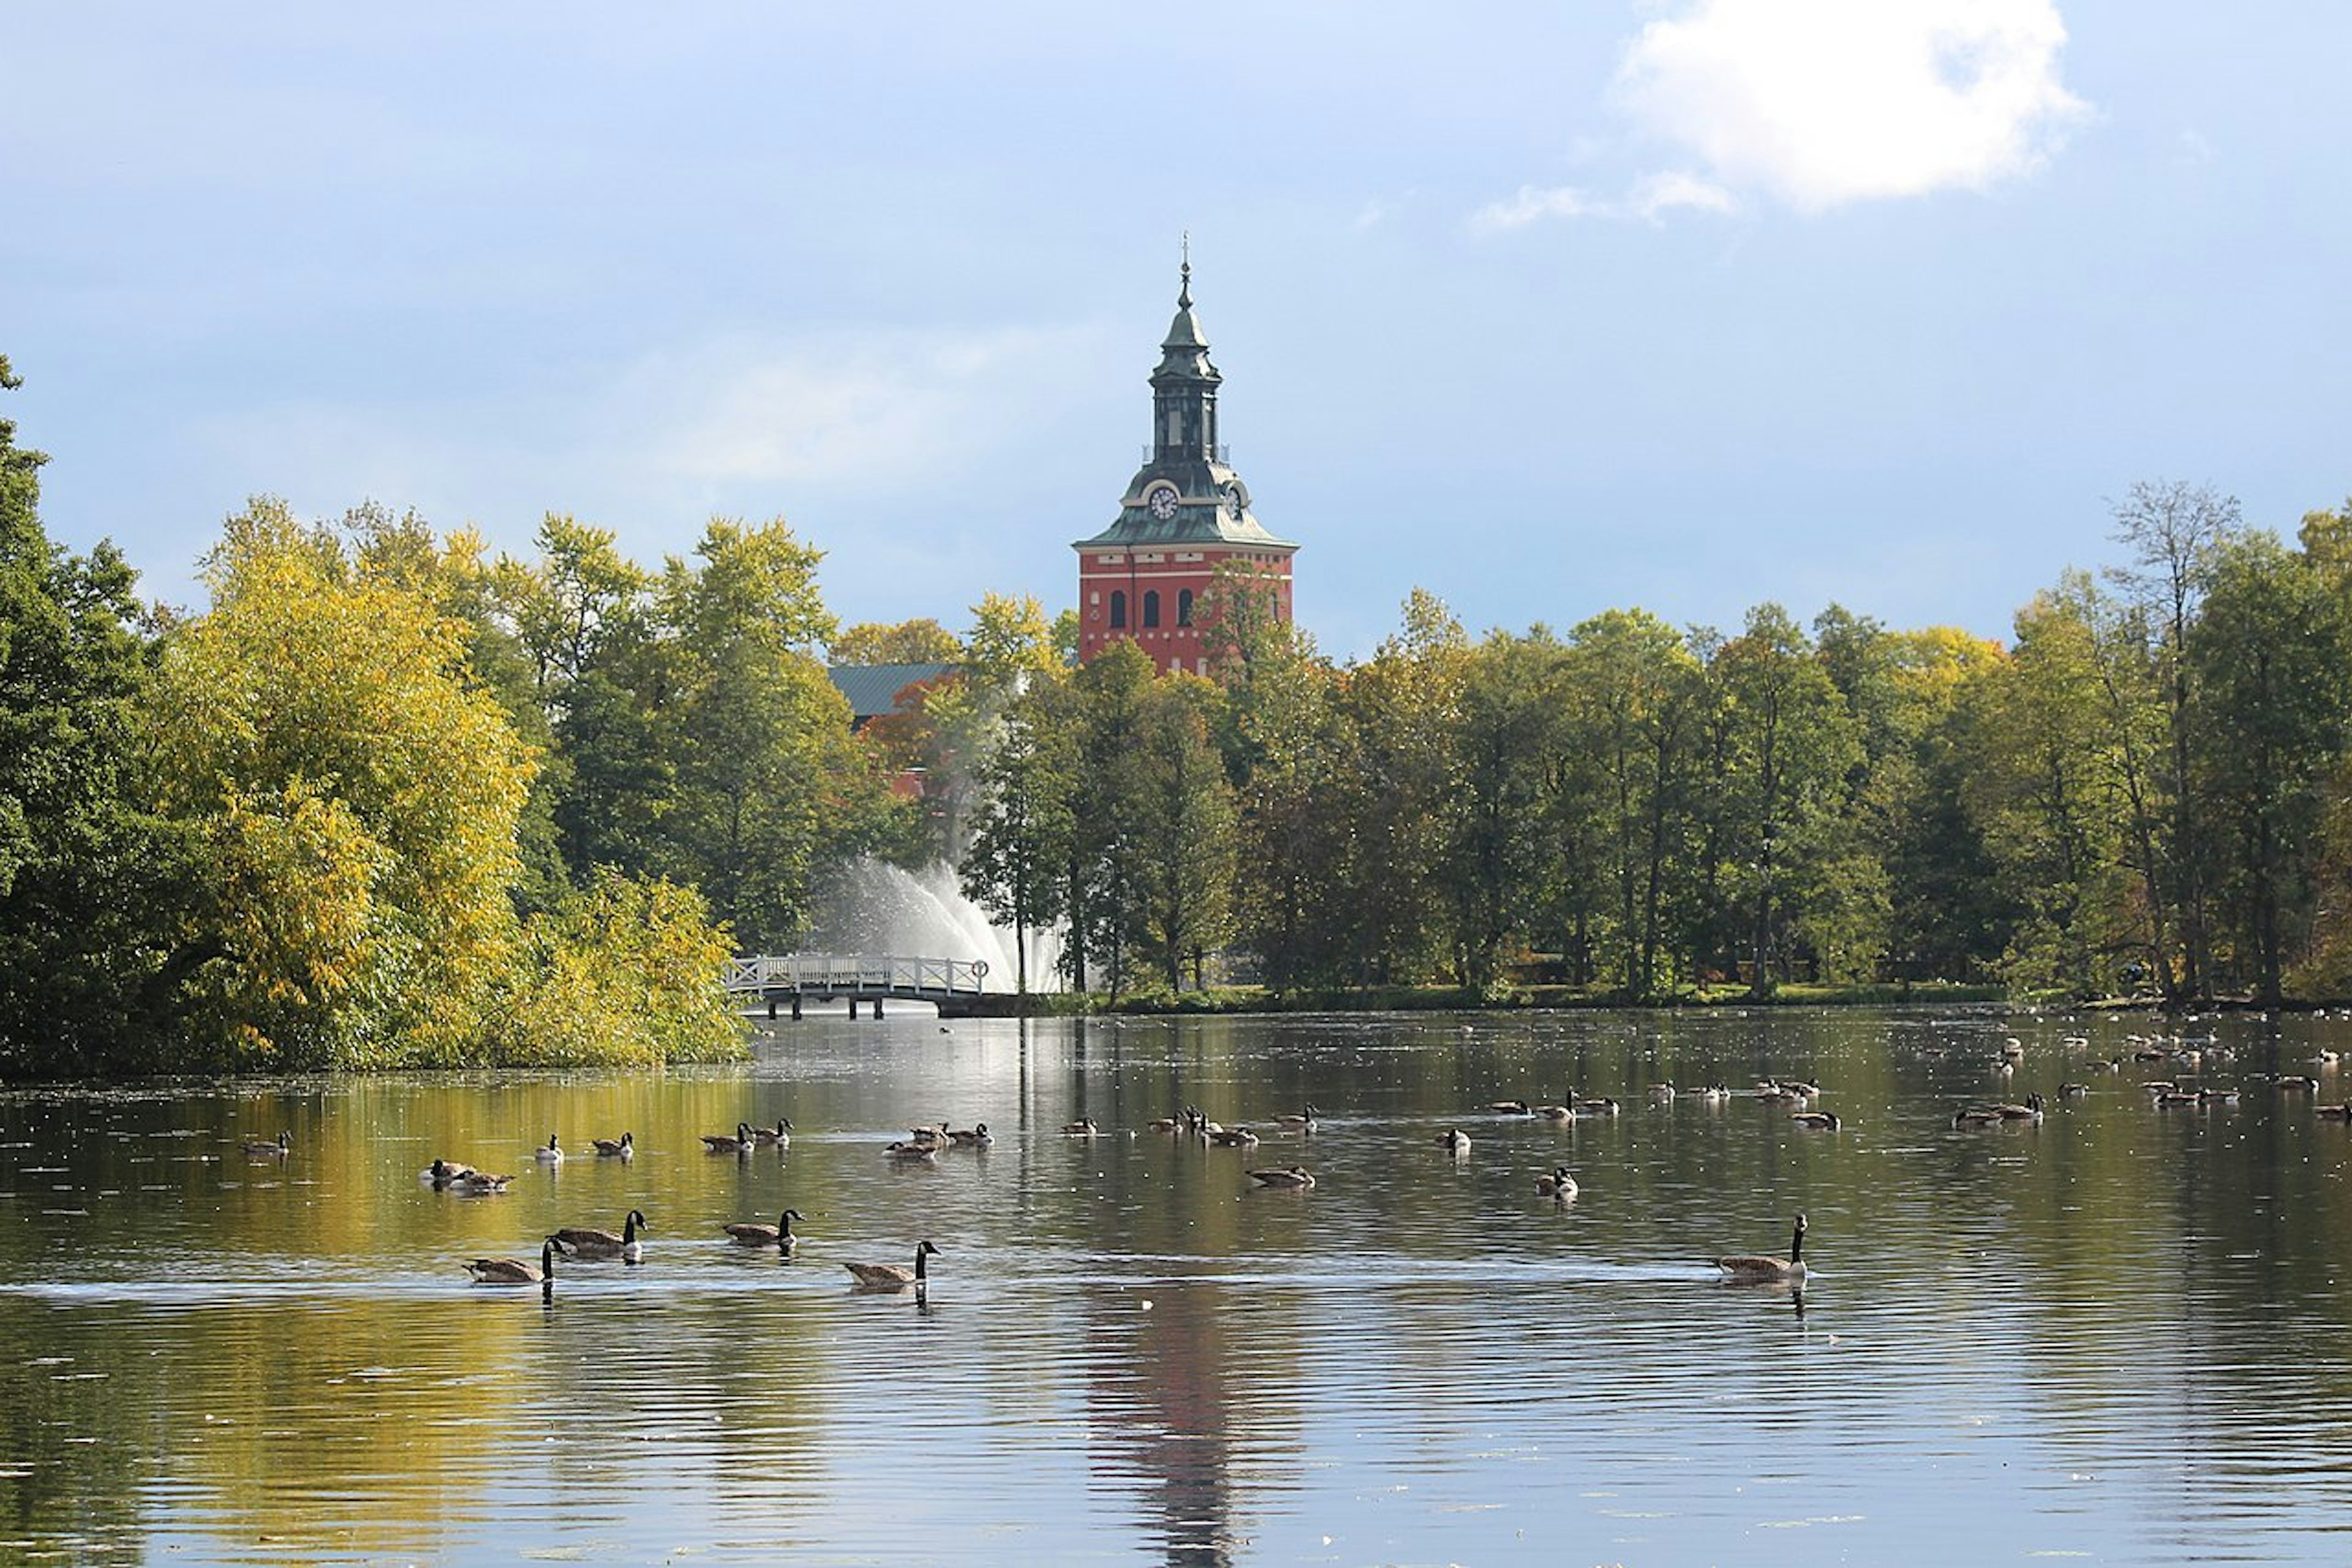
point(875, 906)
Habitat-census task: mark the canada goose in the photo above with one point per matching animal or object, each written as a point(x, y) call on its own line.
point(935, 1136)
point(893, 1276)
point(1596, 1106)
point(1166, 1124)
point(2218, 1096)
point(1976, 1116)
point(1454, 1142)
point(779, 1135)
point(586, 1242)
point(476, 1184)
point(1779, 1094)
point(777, 1235)
point(2108, 1064)
point(2013, 1049)
point(273, 1150)
point(442, 1174)
point(1714, 1094)
point(2177, 1097)
point(1556, 1112)
point(551, 1155)
point(513, 1271)
point(1086, 1128)
point(2335, 1112)
point(728, 1144)
point(2297, 1080)
point(907, 1151)
point(1295, 1176)
point(1302, 1123)
point(1559, 1185)
point(1234, 1138)
point(1755, 1269)
point(976, 1137)
point(2030, 1111)
point(2073, 1090)
point(1818, 1121)
point(1507, 1107)
point(2160, 1086)
point(1662, 1093)
point(622, 1147)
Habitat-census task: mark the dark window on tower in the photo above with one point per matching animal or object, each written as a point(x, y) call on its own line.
point(1184, 607)
point(1118, 609)
point(1152, 606)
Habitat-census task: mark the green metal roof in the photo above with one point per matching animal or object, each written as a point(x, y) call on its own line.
point(874, 689)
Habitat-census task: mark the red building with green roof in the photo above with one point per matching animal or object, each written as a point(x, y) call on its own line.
point(1145, 578)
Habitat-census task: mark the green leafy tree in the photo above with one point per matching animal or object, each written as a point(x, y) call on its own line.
point(919, 641)
point(1025, 822)
point(2043, 788)
point(1791, 743)
point(1402, 708)
point(97, 893)
point(1510, 754)
point(771, 788)
point(1294, 828)
point(2267, 665)
point(1634, 695)
point(1183, 814)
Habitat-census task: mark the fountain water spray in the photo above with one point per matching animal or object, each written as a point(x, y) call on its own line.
point(875, 906)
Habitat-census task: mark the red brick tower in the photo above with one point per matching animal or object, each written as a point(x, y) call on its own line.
point(1185, 513)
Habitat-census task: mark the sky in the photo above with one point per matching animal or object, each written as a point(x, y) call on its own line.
point(1549, 309)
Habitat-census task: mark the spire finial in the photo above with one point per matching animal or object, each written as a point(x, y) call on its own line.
point(1184, 294)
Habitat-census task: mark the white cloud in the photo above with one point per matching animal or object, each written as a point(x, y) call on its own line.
point(1662, 194)
point(845, 412)
point(1650, 198)
point(1823, 102)
point(1533, 202)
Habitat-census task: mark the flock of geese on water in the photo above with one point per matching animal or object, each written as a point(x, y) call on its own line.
point(924, 1145)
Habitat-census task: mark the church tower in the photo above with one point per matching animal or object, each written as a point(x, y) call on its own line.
point(1185, 513)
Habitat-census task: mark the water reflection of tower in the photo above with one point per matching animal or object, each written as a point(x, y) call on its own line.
point(1162, 1402)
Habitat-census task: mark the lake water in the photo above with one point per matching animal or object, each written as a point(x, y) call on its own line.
point(2118, 1335)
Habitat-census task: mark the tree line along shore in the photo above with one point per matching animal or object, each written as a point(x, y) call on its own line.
point(393, 800)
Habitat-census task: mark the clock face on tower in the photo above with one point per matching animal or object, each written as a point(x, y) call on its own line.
point(1162, 501)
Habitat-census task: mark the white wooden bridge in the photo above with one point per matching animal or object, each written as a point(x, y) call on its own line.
point(954, 985)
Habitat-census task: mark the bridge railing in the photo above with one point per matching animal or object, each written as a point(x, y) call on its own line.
point(845, 973)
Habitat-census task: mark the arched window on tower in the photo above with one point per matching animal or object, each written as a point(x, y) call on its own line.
point(1152, 606)
point(1183, 607)
point(1118, 609)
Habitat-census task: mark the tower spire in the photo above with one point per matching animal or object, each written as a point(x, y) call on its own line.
point(1184, 294)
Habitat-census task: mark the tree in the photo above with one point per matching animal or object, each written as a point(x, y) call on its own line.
point(1635, 698)
point(1295, 831)
point(2173, 530)
point(1181, 812)
point(1025, 820)
point(919, 641)
point(2265, 666)
point(771, 788)
point(1510, 754)
point(1790, 745)
point(1101, 884)
point(1401, 709)
point(357, 798)
point(97, 892)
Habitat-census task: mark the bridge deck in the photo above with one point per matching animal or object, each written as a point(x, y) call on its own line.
point(952, 984)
